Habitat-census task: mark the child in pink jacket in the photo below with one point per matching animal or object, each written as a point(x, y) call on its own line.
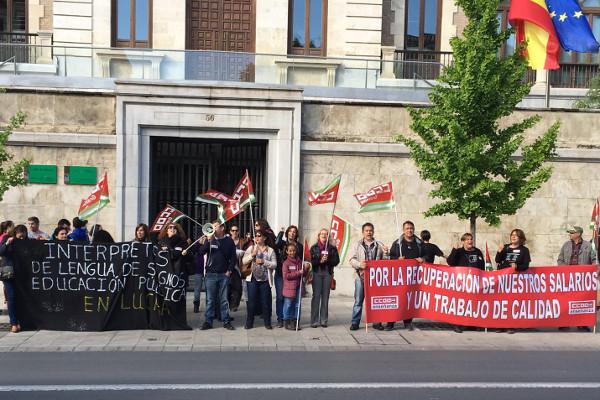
point(292, 280)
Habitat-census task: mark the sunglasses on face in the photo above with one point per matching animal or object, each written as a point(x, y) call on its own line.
point(258, 235)
point(233, 230)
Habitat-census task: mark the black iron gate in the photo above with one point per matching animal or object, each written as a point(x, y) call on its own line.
point(183, 168)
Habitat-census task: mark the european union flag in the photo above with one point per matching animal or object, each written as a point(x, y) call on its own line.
point(572, 27)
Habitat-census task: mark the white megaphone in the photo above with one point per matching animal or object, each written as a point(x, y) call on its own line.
point(208, 229)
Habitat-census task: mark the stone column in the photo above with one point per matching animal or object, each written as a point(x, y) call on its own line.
point(44, 53)
point(387, 58)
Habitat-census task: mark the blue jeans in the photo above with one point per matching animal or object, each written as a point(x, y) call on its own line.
point(216, 293)
point(291, 307)
point(9, 290)
point(279, 297)
point(198, 278)
point(359, 298)
point(259, 297)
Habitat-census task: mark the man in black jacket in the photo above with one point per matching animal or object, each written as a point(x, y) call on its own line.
point(408, 246)
point(220, 264)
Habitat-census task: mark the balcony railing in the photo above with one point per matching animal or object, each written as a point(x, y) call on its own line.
point(386, 71)
point(23, 46)
point(428, 65)
point(411, 64)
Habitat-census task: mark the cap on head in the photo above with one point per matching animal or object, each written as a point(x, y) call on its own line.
point(575, 228)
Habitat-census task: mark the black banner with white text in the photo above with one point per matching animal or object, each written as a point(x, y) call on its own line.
point(78, 287)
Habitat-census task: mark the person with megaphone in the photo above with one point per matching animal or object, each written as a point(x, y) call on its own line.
point(221, 261)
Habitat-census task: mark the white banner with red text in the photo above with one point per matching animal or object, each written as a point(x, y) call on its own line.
point(539, 297)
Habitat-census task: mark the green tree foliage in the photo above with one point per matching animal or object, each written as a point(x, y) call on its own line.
point(479, 169)
point(11, 174)
point(592, 97)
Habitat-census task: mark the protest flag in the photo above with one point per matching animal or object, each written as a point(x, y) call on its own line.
point(227, 207)
point(244, 194)
point(340, 232)
point(326, 195)
point(96, 201)
point(488, 260)
point(378, 198)
point(534, 25)
point(168, 215)
point(595, 223)
point(243, 191)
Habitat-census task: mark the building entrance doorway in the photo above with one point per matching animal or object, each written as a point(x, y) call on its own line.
point(180, 169)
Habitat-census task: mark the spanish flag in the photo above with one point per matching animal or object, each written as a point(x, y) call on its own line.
point(533, 24)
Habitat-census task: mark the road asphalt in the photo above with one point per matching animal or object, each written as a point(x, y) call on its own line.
point(421, 374)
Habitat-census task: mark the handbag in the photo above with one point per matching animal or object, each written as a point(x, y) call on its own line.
point(246, 269)
point(333, 283)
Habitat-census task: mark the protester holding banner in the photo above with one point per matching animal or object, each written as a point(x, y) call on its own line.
point(5, 227)
point(7, 273)
point(142, 233)
point(62, 223)
point(429, 250)
point(514, 254)
point(293, 271)
point(60, 233)
point(263, 261)
point(466, 255)
point(79, 233)
point(220, 264)
point(174, 240)
point(576, 251)
point(408, 247)
point(99, 235)
point(324, 258)
point(366, 249)
point(33, 224)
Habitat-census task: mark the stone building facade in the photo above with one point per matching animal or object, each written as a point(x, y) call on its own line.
point(309, 118)
point(310, 141)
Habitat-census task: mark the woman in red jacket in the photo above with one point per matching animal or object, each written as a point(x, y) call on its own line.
point(292, 280)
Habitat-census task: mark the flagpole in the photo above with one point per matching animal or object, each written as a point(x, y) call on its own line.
point(330, 221)
point(95, 227)
point(251, 212)
point(396, 216)
point(193, 220)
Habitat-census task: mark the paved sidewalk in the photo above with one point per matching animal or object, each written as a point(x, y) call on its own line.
point(428, 336)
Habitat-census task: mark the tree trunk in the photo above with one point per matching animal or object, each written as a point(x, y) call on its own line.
point(473, 220)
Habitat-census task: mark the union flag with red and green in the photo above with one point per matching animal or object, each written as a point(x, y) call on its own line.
point(326, 195)
point(378, 198)
point(96, 201)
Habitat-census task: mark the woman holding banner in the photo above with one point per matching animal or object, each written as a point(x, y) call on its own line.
point(513, 255)
point(7, 272)
point(324, 257)
point(173, 239)
point(142, 233)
